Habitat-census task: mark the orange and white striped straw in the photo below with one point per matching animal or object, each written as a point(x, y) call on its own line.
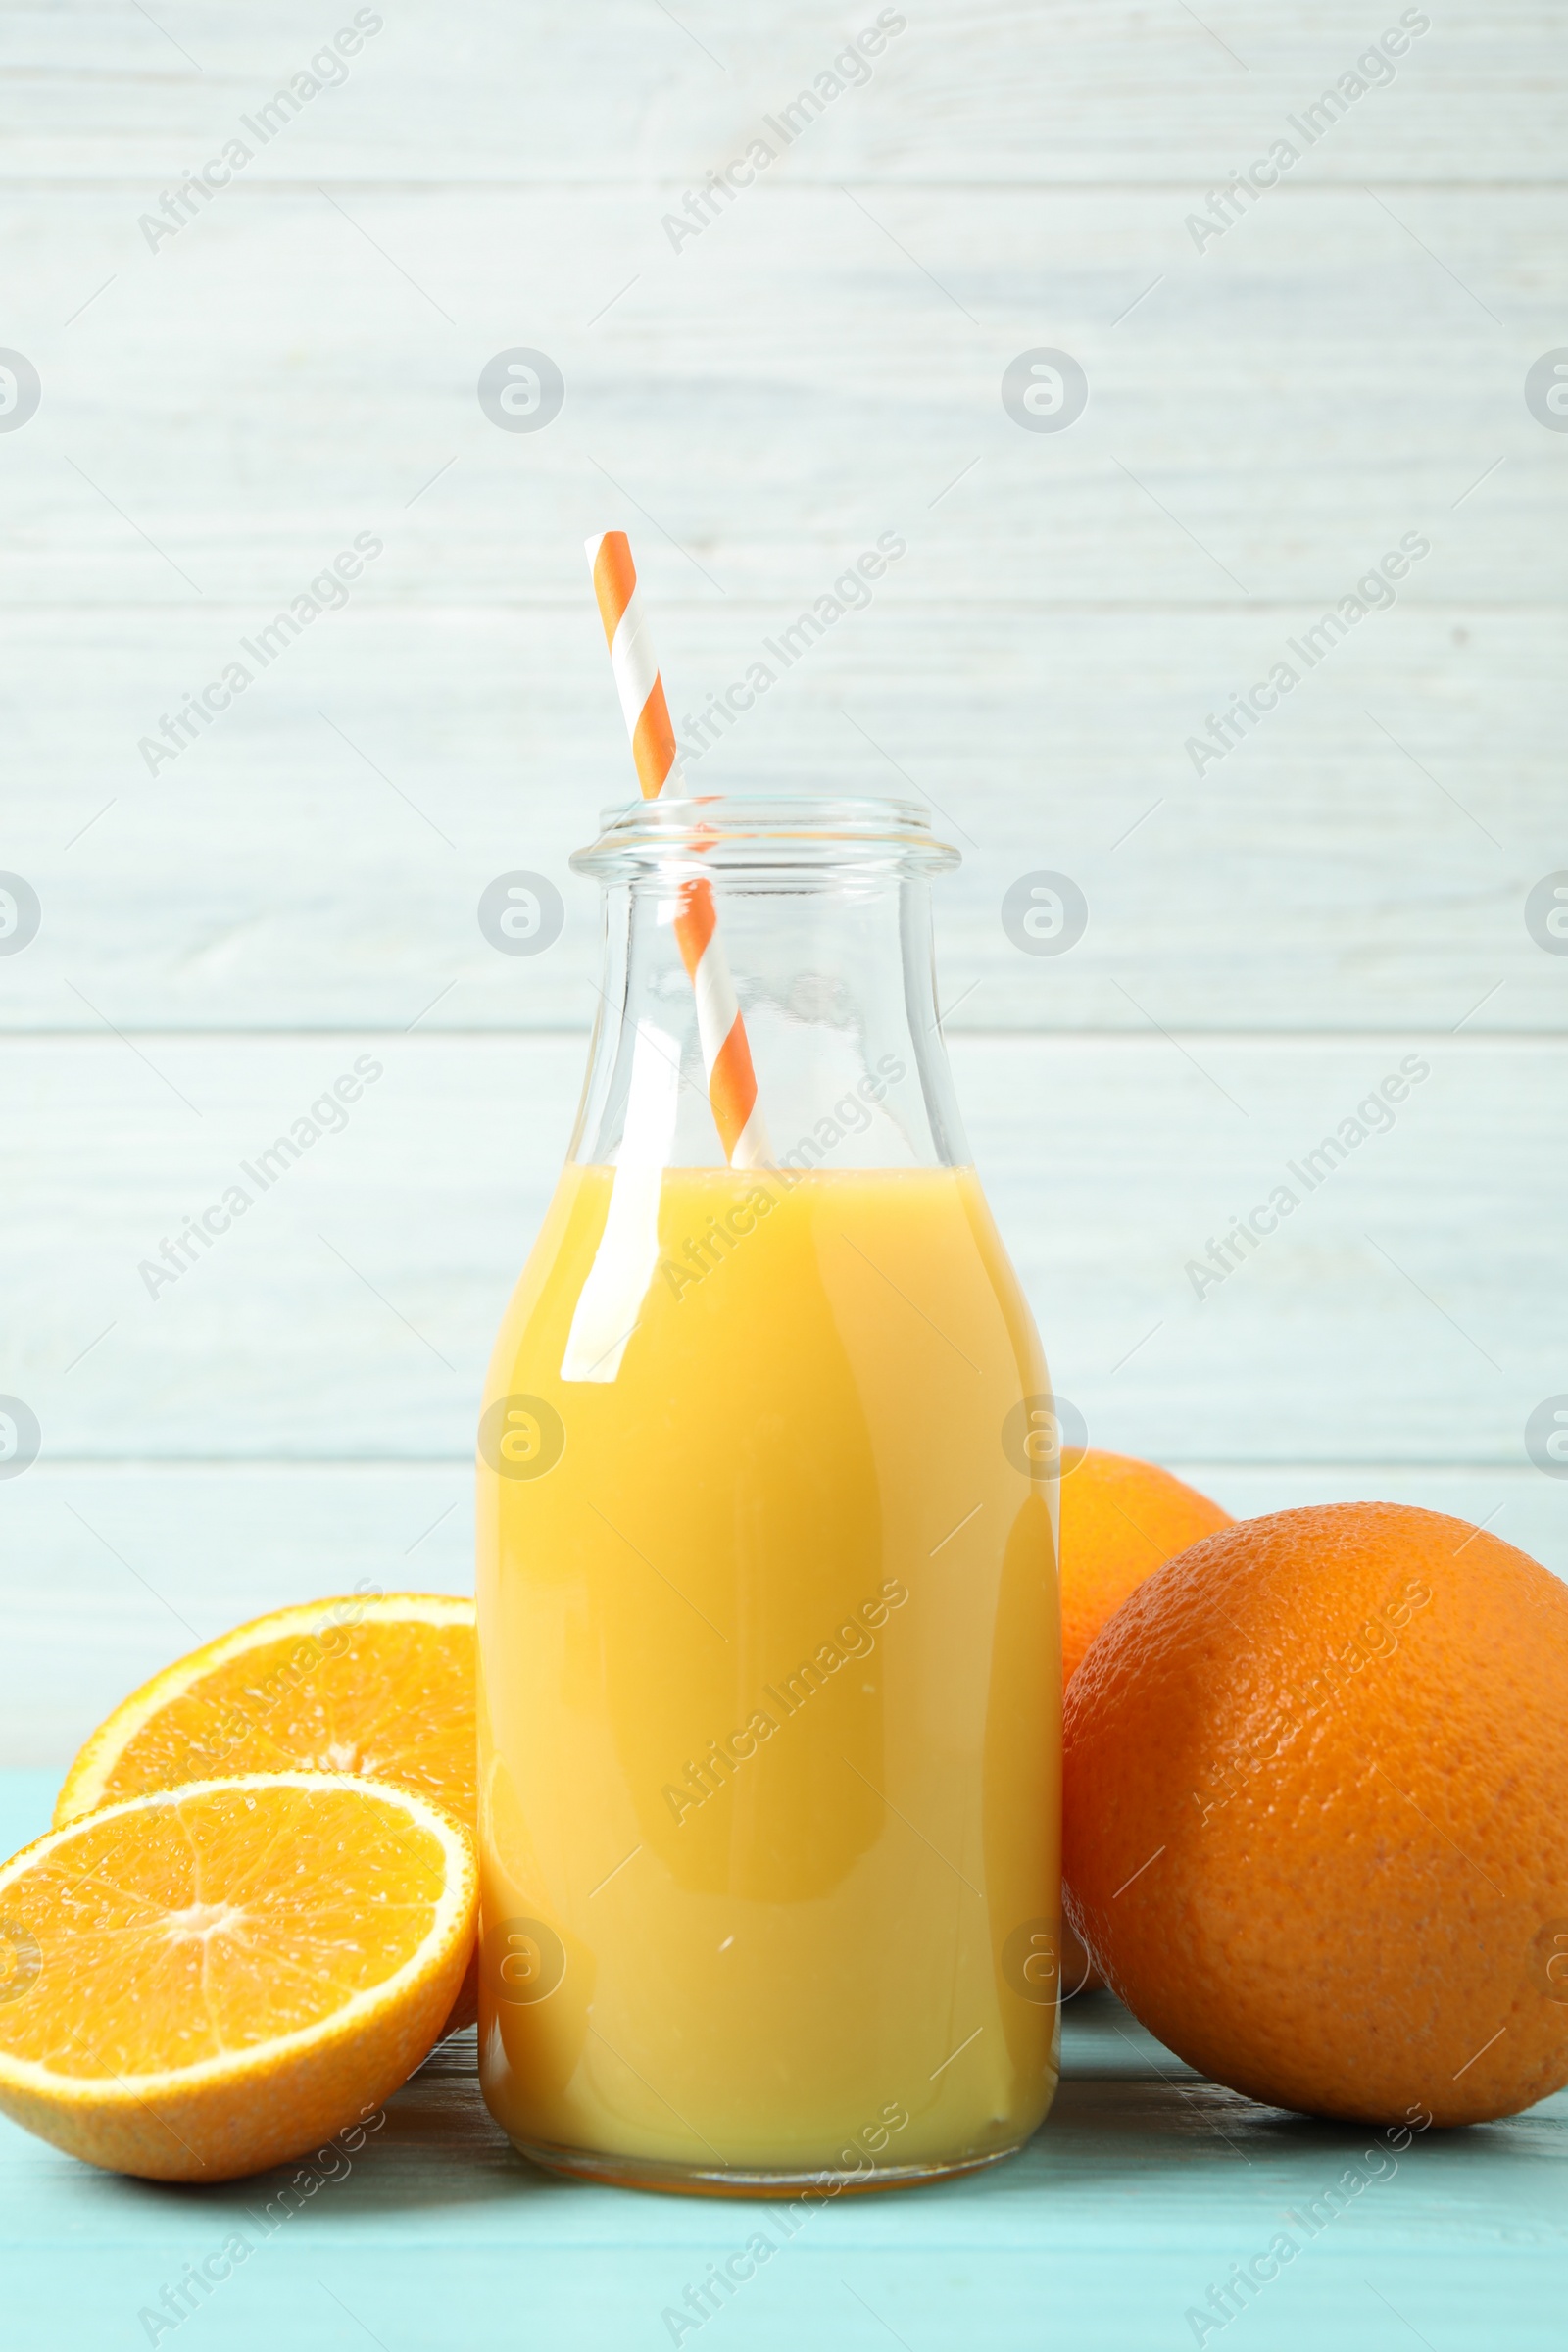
point(726, 1054)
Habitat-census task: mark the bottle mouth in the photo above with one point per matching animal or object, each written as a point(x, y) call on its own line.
point(761, 835)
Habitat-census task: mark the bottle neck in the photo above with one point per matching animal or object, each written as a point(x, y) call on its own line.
point(833, 975)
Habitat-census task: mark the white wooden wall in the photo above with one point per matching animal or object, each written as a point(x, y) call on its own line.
point(220, 415)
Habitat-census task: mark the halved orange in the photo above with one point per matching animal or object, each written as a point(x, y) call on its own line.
point(381, 1683)
point(201, 1982)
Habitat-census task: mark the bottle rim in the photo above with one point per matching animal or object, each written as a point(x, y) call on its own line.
point(764, 833)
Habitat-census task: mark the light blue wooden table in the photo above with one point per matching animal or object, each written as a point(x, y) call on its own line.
point(1144, 2191)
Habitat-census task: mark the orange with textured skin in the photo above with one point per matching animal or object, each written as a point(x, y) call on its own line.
point(202, 1982)
point(1314, 1825)
point(1121, 1519)
point(380, 1683)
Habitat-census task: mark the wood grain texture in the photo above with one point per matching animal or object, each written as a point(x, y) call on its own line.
point(1409, 1307)
point(1264, 419)
point(1056, 94)
point(820, 365)
point(1361, 861)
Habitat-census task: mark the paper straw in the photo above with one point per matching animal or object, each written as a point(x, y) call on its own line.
point(726, 1055)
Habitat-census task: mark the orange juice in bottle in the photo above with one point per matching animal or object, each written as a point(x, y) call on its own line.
point(770, 1680)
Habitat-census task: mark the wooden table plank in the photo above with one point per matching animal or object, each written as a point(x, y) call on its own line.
point(1359, 1327)
point(109, 1572)
point(1001, 91)
point(1325, 874)
point(260, 392)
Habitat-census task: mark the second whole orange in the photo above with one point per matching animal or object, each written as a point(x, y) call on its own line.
point(1121, 1519)
point(1315, 1833)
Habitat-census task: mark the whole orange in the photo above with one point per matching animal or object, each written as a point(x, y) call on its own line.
point(1121, 1519)
point(1314, 1831)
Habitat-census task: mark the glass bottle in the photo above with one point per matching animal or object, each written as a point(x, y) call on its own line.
point(768, 1621)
